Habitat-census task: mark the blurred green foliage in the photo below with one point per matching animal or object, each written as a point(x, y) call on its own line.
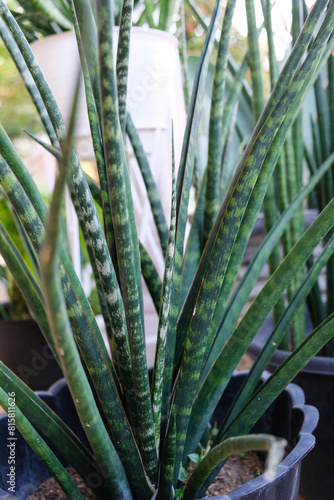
point(195, 32)
point(16, 108)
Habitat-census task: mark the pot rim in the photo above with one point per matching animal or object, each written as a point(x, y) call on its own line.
point(304, 445)
point(154, 32)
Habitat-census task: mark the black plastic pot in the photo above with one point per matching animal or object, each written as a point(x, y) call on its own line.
point(288, 417)
point(317, 382)
point(24, 350)
point(29, 470)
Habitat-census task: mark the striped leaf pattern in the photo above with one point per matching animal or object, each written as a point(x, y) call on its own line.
point(126, 239)
point(42, 450)
point(166, 294)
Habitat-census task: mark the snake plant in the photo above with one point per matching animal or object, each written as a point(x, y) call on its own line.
point(141, 434)
point(41, 18)
point(288, 177)
point(305, 143)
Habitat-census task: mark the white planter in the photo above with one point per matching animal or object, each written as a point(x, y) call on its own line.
point(155, 101)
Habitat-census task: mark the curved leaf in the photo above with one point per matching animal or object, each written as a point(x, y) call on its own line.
point(82, 394)
point(221, 370)
point(122, 62)
point(40, 447)
point(281, 377)
point(83, 322)
point(241, 444)
point(151, 187)
point(237, 301)
point(184, 181)
point(251, 381)
point(49, 424)
point(215, 151)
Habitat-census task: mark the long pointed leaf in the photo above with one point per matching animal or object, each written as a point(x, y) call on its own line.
point(49, 424)
point(151, 187)
point(247, 176)
point(39, 446)
point(225, 231)
point(240, 296)
point(215, 151)
point(184, 181)
point(85, 329)
point(49, 9)
point(111, 466)
point(87, 45)
point(215, 382)
point(251, 381)
point(126, 238)
point(122, 64)
point(89, 218)
point(167, 291)
point(281, 377)
point(87, 213)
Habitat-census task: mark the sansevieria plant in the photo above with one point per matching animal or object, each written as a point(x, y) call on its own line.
point(141, 435)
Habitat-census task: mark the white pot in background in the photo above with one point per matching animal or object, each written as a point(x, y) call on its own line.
point(155, 101)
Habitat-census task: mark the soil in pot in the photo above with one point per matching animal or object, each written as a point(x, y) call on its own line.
point(50, 489)
point(238, 470)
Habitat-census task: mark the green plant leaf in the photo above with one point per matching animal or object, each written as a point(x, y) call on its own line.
point(87, 215)
point(221, 370)
point(49, 424)
point(53, 13)
point(281, 377)
point(122, 62)
point(251, 381)
point(126, 240)
point(151, 187)
point(166, 297)
point(165, 489)
point(240, 296)
point(149, 8)
point(216, 145)
point(40, 447)
point(194, 457)
point(83, 322)
point(264, 150)
point(82, 394)
point(184, 181)
point(254, 442)
point(114, 316)
point(208, 281)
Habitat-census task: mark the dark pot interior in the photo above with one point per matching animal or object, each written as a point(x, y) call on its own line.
point(317, 382)
point(24, 350)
